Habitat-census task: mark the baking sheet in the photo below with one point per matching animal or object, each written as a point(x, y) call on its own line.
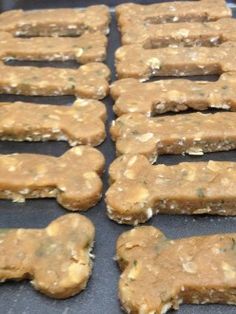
point(101, 294)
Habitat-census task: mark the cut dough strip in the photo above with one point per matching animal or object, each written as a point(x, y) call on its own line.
point(192, 133)
point(81, 123)
point(56, 259)
point(140, 190)
point(176, 95)
point(138, 62)
point(73, 178)
point(159, 274)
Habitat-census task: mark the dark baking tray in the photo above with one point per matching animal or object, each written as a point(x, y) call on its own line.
point(101, 293)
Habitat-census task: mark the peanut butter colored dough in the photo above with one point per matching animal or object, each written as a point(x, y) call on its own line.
point(56, 259)
point(73, 178)
point(159, 274)
point(176, 95)
point(56, 22)
point(180, 34)
point(139, 190)
point(192, 133)
point(88, 81)
point(81, 123)
point(176, 11)
point(138, 62)
point(89, 47)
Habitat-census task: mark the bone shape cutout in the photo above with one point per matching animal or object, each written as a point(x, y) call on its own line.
point(56, 259)
point(89, 47)
point(138, 62)
point(159, 274)
point(88, 81)
point(139, 190)
point(178, 11)
point(192, 133)
point(56, 22)
point(176, 95)
point(180, 34)
point(73, 178)
point(81, 123)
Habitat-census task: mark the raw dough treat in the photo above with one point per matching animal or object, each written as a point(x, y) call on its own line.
point(177, 11)
point(138, 62)
point(73, 178)
point(180, 34)
point(88, 81)
point(56, 259)
point(87, 48)
point(192, 133)
point(81, 123)
point(141, 190)
point(159, 274)
point(173, 95)
point(56, 22)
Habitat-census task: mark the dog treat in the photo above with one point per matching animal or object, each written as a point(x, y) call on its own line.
point(138, 62)
point(88, 81)
point(192, 133)
point(177, 11)
point(173, 95)
point(180, 34)
point(56, 259)
point(73, 178)
point(159, 274)
point(140, 190)
point(56, 22)
point(89, 47)
point(81, 123)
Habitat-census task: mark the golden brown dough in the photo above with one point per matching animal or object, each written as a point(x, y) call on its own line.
point(90, 47)
point(88, 81)
point(56, 259)
point(81, 123)
point(192, 133)
point(159, 274)
point(56, 22)
point(73, 178)
point(138, 62)
point(176, 95)
point(139, 190)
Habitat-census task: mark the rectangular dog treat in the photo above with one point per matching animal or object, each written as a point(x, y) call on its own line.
point(81, 123)
point(192, 133)
point(176, 95)
point(73, 178)
point(159, 274)
point(176, 11)
point(89, 47)
point(138, 62)
point(88, 81)
point(56, 259)
point(180, 34)
point(140, 190)
point(56, 22)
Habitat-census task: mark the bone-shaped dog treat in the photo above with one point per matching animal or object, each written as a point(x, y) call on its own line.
point(173, 95)
point(81, 123)
point(141, 189)
point(192, 133)
point(73, 178)
point(89, 47)
point(177, 11)
point(88, 81)
point(138, 62)
point(180, 34)
point(159, 274)
point(56, 22)
point(56, 259)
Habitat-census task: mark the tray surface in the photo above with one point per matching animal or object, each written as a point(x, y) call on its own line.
point(100, 295)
